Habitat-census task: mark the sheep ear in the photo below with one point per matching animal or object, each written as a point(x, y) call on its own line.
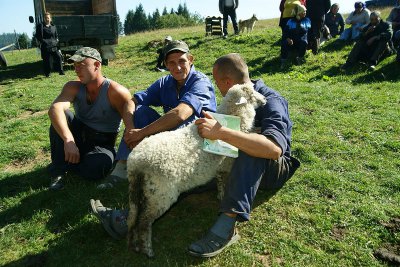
point(241, 101)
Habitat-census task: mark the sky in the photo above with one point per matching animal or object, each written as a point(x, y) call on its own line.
point(15, 13)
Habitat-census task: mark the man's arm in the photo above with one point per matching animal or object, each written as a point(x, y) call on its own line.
point(59, 120)
point(121, 100)
point(254, 144)
point(169, 121)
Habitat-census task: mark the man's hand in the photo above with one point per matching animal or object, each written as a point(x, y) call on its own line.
point(133, 137)
point(71, 152)
point(290, 41)
point(208, 127)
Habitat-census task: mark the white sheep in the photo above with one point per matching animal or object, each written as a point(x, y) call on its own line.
point(167, 164)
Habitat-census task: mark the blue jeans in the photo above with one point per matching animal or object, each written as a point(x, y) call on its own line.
point(247, 175)
point(351, 33)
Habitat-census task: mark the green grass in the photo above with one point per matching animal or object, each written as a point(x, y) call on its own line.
point(334, 212)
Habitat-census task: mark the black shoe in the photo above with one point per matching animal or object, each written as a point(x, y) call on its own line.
point(345, 66)
point(61, 73)
point(57, 183)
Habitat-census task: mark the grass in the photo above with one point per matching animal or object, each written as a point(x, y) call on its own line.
point(341, 205)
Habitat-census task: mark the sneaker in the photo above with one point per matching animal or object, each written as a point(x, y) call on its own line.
point(284, 64)
point(110, 181)
point(225, 36)
point(345, 66)
point(57, 183)
point(300, 60)
point(211, 245)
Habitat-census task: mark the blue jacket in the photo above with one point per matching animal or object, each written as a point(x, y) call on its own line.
point(297, 29)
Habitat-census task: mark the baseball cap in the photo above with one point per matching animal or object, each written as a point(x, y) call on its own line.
point(176, 45)
point(85, 52)
point(168, 38)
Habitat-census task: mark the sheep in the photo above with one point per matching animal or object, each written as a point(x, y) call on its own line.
point(167, 164)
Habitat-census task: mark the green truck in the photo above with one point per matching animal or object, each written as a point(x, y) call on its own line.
point(82, 23)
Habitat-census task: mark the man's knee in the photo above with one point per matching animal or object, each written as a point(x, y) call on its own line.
point(96, 166)
point(276, 174)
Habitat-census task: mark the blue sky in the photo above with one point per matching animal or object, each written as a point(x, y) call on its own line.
point(15, 13)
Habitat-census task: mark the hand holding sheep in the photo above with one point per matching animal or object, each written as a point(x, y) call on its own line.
point(133, 137)
point(208, 127)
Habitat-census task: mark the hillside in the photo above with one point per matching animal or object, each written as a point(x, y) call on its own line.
point(340, 206)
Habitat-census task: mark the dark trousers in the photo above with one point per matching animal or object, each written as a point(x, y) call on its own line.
point(51, 61)
point(97, 151)
point(250, 173)
point(316, 28)
point(372, 53)
point(231, 12)
point(299, 45)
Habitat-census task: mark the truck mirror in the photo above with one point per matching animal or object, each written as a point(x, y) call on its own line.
point(31, 20)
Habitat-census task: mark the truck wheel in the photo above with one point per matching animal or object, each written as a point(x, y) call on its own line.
point(105, 62)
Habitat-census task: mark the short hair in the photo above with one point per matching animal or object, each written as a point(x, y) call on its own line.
point(234, 67)
point(376, 14)
point(335, 5)
point(47, 13)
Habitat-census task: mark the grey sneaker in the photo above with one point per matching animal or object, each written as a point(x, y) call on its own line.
point(110, 181)
point(57, 183)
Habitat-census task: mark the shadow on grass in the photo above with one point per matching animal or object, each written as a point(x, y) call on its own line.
point(79, 238)
point(388, 72)
point(21, 71)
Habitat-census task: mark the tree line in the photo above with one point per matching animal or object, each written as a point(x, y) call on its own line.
point(21, 41)
point(138, 21)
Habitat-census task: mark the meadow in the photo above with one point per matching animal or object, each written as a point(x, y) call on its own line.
point(337, 210)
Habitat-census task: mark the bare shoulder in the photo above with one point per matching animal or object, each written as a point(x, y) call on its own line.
point(118, 90)
point(69, 91)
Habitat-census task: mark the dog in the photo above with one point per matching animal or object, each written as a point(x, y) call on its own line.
point(248, 24)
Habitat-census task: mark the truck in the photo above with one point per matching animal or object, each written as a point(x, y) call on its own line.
point(380, 3)
point(82, 23)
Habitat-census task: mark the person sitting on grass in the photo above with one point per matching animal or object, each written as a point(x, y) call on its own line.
point(295, 35)
point(84, 142)
point(334, 21)
point(373, 43)
point(160, 60)
point(183, 94)
point(394, 20)
point(358, 19)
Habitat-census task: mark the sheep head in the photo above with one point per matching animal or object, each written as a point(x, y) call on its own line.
point(241, 100)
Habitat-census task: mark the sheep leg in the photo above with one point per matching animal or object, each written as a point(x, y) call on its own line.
point(151, 209)
point(134, 201)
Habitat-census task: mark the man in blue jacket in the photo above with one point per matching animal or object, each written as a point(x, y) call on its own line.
point(264, 160)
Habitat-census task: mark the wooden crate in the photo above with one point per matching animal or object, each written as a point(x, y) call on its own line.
point(213, 26)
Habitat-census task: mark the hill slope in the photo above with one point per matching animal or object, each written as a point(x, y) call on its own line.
point(341, 205)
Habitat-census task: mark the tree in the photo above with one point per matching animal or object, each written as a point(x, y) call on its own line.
point(165, 12)
point(120, 28)
point(128, 28)
point(23, 41)
point(154, 23)
point(140, 22)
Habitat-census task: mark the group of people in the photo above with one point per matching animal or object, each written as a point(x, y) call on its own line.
point(83, 142)
point(305, 22)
